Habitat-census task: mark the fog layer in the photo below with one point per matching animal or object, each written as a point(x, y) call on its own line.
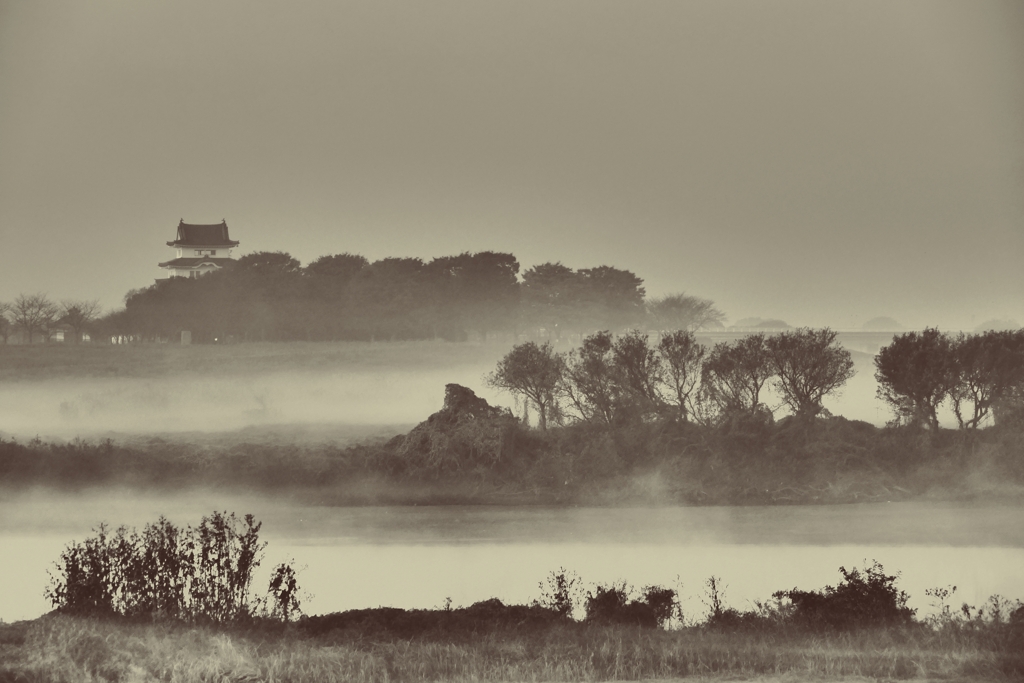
point(88, 407)
point(342, 393)
point(417, 557)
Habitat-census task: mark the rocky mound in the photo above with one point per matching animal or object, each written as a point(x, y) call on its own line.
point(467, 431)
point(461, 403)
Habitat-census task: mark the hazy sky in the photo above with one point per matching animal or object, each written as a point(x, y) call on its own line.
point(822, 162)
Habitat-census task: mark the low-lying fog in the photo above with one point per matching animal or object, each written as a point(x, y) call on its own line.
point(411, 557)
point(87, 407)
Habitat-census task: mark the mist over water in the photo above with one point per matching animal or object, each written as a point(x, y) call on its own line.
point(416, 557)
point(212, 402)
point(89, 407)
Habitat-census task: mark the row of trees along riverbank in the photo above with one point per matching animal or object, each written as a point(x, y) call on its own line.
point(632, 378)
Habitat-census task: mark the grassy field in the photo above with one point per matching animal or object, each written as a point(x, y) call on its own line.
point(58, 648)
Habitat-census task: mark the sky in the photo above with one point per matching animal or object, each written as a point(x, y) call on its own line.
point(816, 161)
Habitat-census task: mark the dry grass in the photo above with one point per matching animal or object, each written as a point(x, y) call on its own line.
point(64, 649)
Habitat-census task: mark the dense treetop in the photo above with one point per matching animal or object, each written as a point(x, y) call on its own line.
point(271, 296)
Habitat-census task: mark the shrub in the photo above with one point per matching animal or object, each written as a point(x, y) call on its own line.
point(613, 605)
point(166, 571)
point(560, 592)
point(864, 599)
point(721, 617)
point(283, 593)
point(663, 603)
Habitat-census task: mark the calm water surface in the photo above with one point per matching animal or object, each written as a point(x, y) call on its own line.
point(419, 556)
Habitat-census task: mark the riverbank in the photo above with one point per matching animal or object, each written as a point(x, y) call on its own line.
point(467, 453)
point(473, 462)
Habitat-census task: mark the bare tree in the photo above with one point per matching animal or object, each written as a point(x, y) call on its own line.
point(809, 365)
point(33, 313)
point(532, 371)
point(683, 312)
point(78, 315)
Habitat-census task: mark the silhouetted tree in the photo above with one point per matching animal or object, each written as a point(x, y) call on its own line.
point(914, 375)
point(611, 298)
point(683, 312)
point(808, 365)
point(33, 313)
point(489, 289)
point(1009, 408)
point(165, 308)
point(733, 375)
point(392, 299)
point(588, 382)
point(551, 298)
point(339, 268)
point(985, 369)
point(476, 291)
point(266, 262)
point(532, 371)
point(681, 360)
point(113, 324)
point(78, 315)
point(268, 290)
point(637, 371)
point(5, 323)
point(327, 300)
point(267, 296)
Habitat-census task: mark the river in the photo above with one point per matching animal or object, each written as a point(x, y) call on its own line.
point(421, 556)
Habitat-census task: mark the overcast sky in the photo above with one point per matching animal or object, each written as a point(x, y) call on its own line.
point(821, 162)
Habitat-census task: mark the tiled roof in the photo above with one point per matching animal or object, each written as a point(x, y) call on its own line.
point(190, 235)
point(194, 262)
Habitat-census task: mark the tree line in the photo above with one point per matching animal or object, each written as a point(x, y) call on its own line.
point(36, 316)
point(975, 375)
point(270, 296)
point(633, 378)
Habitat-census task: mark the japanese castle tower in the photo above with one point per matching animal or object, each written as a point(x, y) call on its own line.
point(199, 249)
